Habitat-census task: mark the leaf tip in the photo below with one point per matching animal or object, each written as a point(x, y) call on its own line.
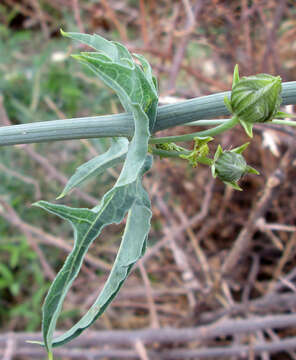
point(38, 203)
point(35, 342)
point(63, 33)
point(77, 57)
point(61, 196)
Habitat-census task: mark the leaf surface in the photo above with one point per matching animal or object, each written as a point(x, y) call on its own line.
point(136, 89)
point(87, 225)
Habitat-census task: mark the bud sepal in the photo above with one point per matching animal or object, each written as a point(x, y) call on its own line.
point(199, 152)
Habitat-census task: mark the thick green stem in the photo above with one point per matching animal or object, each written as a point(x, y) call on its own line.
point(206, 107)
point(188, 137)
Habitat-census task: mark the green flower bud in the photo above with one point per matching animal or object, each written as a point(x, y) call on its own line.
point(254, 99)
point(230, 166)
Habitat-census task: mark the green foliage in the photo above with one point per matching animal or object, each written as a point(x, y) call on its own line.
point(27, 85)
point(137, 92)
point(20, 273)
point(37, 75)
point(254, 99)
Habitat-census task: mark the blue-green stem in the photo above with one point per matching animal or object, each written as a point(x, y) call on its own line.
point(169, 153)
point(207, 122)
point(284, 122)
point(188, 137)
point(206, 107)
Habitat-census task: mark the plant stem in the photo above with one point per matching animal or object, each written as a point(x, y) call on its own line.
point(176, 154)
point(284, 122)
point(122, 124)
point(206, 122)
point(188, 137)
point(169, 153)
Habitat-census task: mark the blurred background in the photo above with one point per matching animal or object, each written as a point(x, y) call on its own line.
point(215, 255)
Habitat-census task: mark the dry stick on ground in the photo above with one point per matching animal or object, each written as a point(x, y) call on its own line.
point(54, 173)
point(179, 255)
point(201, 257)
point(193, 221)
point(261, 225)
point(269, 303)
point(91, 339)
point(252, 276)
point(180, 52)
point(277, 227)
point(282, 283)
point(48, 270)
point(247, 35)
point(153, 312)
point(143, 24)
point(77, 16)
point(17, 5)
point(261, 340)
point(190, 280)
point(9, 350)
point(199, 76)
point(190, 13)
point(41, 16)
point(241, 351)
point(271, 190)
point(141, 350)
point(135, 292)
point(167, 335)
point(111, 15)
point(288, 253)
point(50, 169)
point(3, 115)
point(217, 84)
point(270, 52)
point(275, 337)
point(24, 178)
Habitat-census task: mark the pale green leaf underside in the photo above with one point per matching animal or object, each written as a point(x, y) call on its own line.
point(98, 164)
point(136, 90)
point(132, 83)
point(87, 225)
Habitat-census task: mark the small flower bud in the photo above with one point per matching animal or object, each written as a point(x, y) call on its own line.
point(230, 166)
point(255, 99)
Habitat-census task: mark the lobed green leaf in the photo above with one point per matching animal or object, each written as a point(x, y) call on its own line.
point(87, 225)
point(136, 89)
